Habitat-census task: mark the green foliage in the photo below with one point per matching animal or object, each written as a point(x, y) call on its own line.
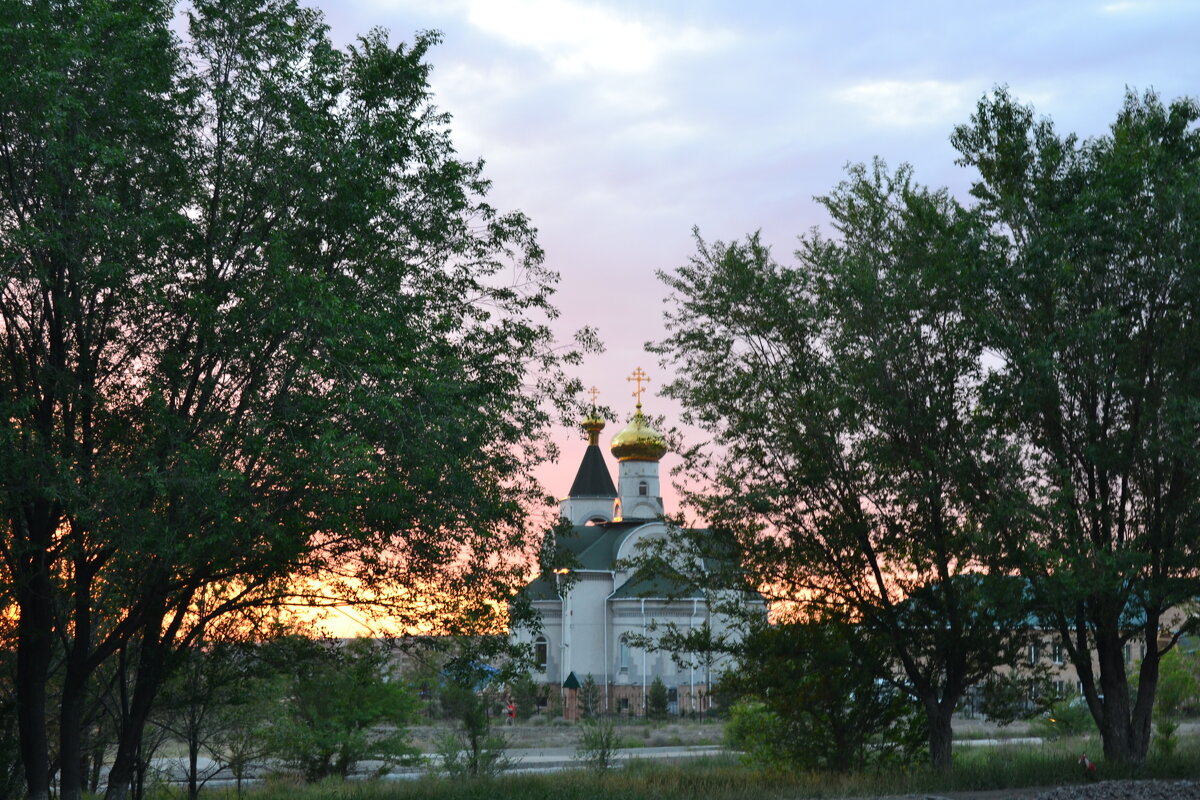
point(1067, 717)
point(854, 374)
point(473, 750)
point(813, 696)
point(755, 731)
point(344, 705)
point(997, 771)
point(1006, 697)
point(1089, 268)
point(225, 703)
point(1165, 740)
point(868, 456)
point(269, 327)
point(525, 695)
point(656, 699)
point(589, 697)
point(598, 743)
point(1178, 682)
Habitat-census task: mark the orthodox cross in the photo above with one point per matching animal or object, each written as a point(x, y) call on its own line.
point(594, 392)
point(639, 376)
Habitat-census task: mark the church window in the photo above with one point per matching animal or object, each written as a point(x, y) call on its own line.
point(623, 652)
point(643, 489)
point(541, 651)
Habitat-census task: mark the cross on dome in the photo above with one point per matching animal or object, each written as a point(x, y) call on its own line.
point(639, 375)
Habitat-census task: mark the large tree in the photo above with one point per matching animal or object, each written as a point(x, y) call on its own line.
point(850, 472)
point(1093, 314)
point(259, 329)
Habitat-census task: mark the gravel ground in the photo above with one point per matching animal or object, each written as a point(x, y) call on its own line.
point(1126, 790)
point(1101, 790)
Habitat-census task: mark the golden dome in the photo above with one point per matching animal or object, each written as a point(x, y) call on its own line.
point(638, 442)
point(593, 423)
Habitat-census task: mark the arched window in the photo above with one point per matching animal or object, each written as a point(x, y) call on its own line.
point(541, 651)
point(643, 488)
point(623, 652)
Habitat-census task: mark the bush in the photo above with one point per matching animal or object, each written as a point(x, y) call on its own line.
point(589, 697)
point(813, 696)
point(755, 732)
point(1005, 698)
point(473, 750)
point(656, 700)
point(1067, 717)
point(598, 743)
point(339, 699)
point(524, 696)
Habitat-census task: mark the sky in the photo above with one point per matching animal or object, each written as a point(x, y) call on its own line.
point(619, 126)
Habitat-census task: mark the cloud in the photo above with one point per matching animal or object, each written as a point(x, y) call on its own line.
point(577, 38)
point(905, 104)
point(1124, 7)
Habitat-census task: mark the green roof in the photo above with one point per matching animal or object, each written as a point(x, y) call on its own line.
point(658, 586)
point(594, 547)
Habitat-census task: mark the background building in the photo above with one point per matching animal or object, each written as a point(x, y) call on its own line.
point(595, 611)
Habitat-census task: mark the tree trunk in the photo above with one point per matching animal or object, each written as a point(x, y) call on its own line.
point(1115, 731)
point(1141, 723)
point(33, 666)
point(71, 720)
point(150, 670)
point(70, 738)
point(193, 759)
point(941, 734)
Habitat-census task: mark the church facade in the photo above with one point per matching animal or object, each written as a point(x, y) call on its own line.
point(595, 612)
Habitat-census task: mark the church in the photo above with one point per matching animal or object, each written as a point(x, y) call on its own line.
point(594, 610)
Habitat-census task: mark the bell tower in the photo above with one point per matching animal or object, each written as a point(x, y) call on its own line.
point(638, 449)
point(592, 492)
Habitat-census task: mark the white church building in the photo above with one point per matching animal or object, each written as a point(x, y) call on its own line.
point(595, 611)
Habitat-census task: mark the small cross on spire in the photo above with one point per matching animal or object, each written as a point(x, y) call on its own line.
point(594, 392)
point(639, 376)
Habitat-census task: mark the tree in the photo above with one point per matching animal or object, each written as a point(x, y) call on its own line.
point(344, 705)
point(472, 750)
point(851, 472)
point(656, 699)
point(524, 695)
point(224, 702)
point(256, 344)
point(590, 702)
point(1092, 313)
point(827, 701)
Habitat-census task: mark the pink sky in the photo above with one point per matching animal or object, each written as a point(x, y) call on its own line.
point(617, 126)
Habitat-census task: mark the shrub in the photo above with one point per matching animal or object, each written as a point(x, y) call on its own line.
point(656, 700)
point(589, 697)
point(598, 743)
point(473, 750)
point(754, 731)
point(525, 696)
point(816, 691)
point(343, 707)
point(1067, 717)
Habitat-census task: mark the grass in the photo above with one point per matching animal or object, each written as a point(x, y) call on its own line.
point(976, 768)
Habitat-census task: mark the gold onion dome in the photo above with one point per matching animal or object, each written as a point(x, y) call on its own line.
point(593, 423)
point(638, 441)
